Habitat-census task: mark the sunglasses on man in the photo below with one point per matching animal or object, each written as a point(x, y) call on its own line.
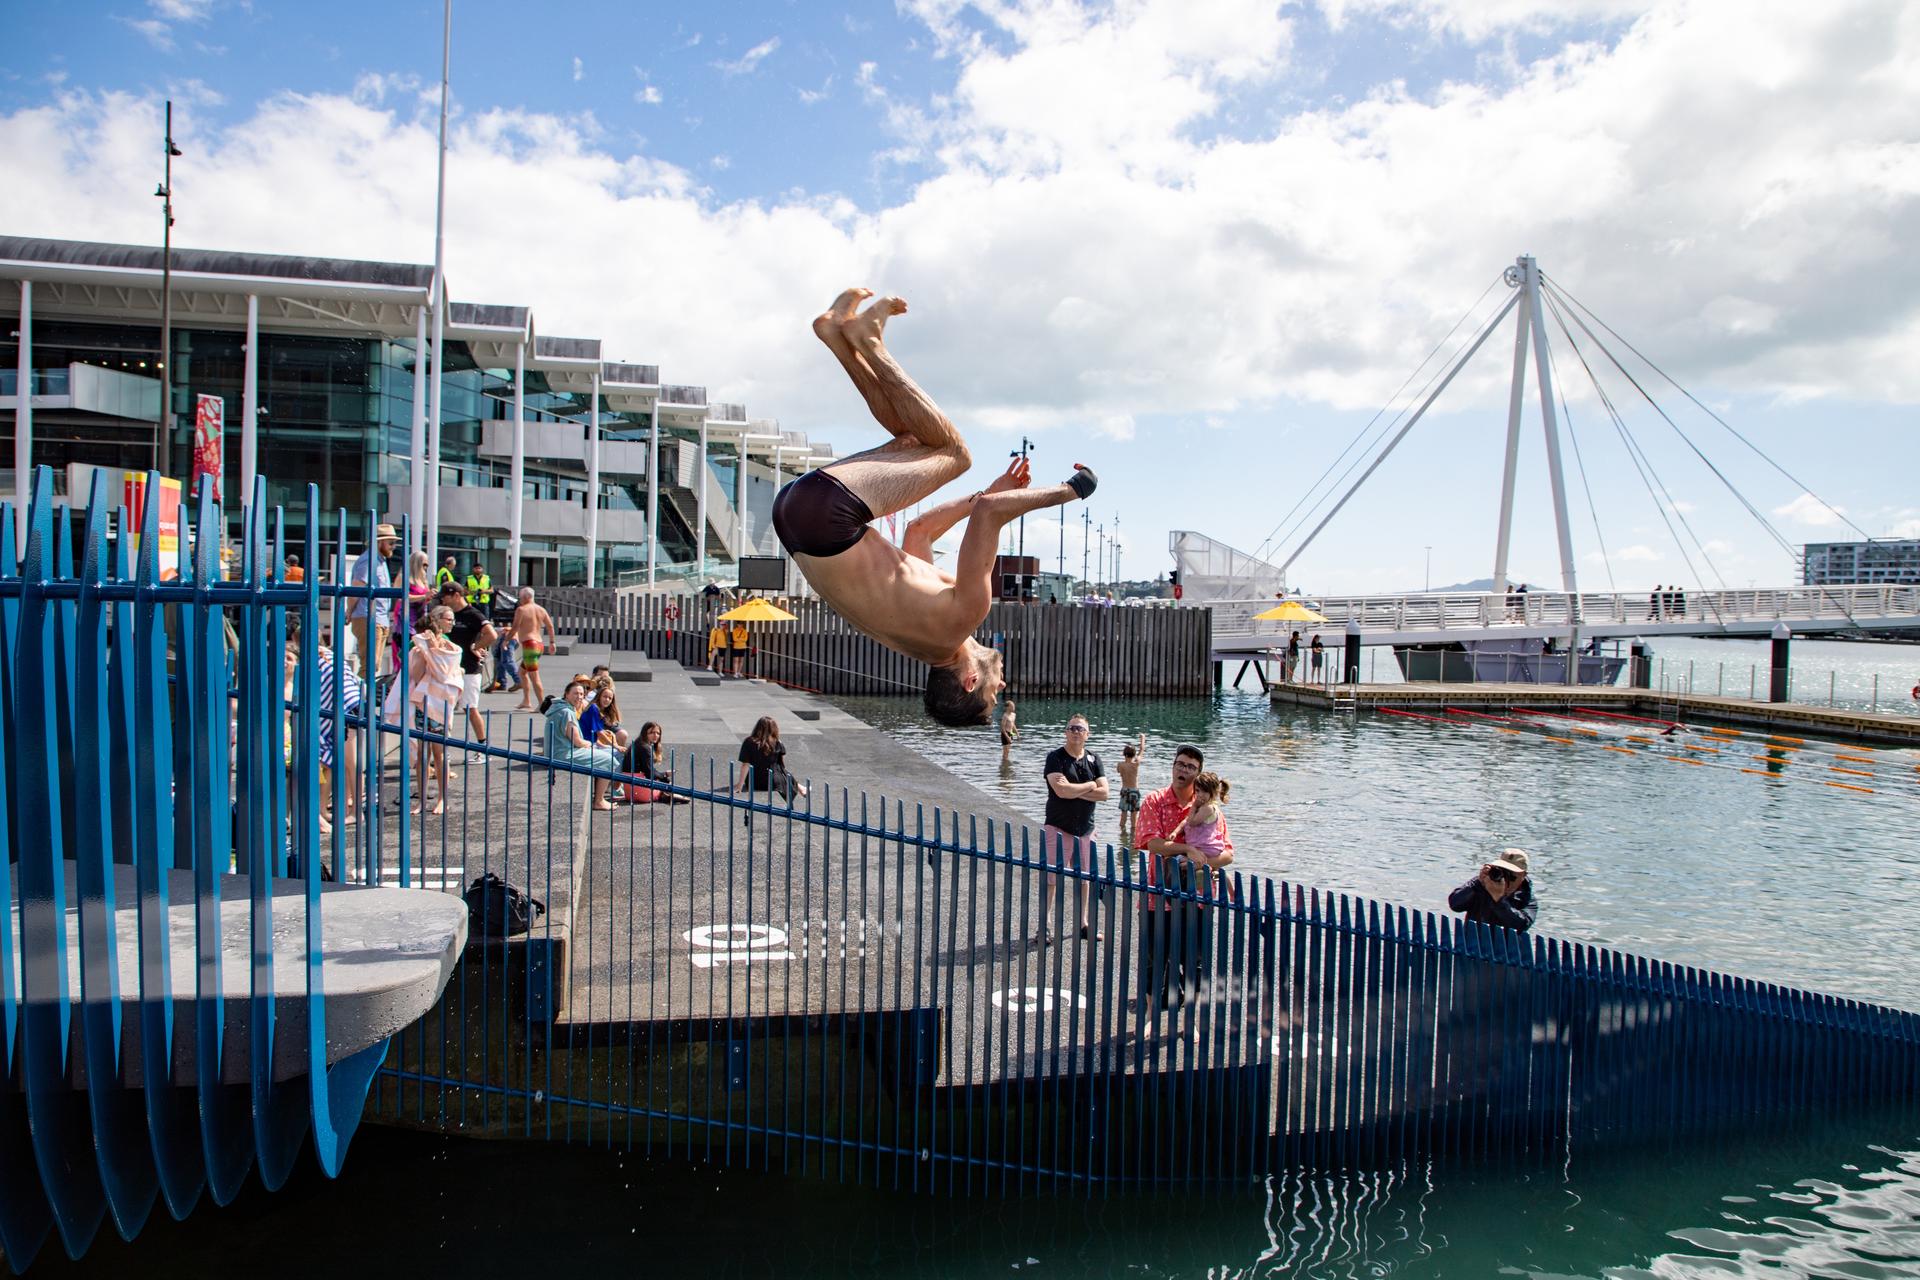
point(1500, 875)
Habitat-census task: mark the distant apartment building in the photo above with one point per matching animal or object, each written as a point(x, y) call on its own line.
point(1875, 562)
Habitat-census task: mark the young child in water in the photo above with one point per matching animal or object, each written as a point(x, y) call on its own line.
point(1201, 827)
point(1129, 770)
point(1009, 729)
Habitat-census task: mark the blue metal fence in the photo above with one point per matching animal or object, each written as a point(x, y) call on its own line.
point(856, 988)
point(147, 760)
point(841, 985)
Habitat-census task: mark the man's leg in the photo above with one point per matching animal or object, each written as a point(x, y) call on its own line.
point(926, 451)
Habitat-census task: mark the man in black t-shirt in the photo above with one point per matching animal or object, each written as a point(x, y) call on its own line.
point(1076, 780)
point(474, 634)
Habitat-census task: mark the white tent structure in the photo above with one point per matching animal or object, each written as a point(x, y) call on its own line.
point(1210, 570)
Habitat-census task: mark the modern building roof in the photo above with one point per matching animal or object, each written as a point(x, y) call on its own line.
point(91, 280)
point(146, 258)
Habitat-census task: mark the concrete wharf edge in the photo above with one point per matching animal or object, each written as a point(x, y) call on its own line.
point(1797, 717)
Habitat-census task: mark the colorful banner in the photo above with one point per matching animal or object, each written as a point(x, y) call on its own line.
point(209, 414)
point(134, 489)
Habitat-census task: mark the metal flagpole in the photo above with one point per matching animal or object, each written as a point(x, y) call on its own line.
point(432, 478)
point(165, 192)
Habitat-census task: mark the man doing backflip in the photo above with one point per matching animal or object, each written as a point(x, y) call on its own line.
point(895, 594)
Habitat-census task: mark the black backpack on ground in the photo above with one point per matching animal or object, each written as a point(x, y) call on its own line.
point(495, 909)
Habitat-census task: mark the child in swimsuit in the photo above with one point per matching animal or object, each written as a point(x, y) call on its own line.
point(1129, 770)
point(1201, 828)
point(1009, 730)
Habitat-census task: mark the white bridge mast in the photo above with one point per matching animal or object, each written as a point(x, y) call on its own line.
point(1524, 277)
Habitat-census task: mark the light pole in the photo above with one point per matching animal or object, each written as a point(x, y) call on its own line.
point(1428, 580)
point(1116, 553)
point(165, 192)
point(1021, 452)
point(1086, 545)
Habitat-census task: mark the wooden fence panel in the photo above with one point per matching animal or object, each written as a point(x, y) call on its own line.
point(1050, 649)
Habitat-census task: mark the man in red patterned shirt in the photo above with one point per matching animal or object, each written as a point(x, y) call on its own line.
point(1175, 936)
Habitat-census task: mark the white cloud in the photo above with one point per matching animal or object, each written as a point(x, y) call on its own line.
point(809, 97)
point(721, 163)
point(1809, 512)
point(1638, 553)
point(648, 95)
point(746, 62)
point(579, 70)
point(181, 10)
point(158, 33)
point(1735, 188)
point(1478, 19)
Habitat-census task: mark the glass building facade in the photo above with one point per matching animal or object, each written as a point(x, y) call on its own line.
point(336, 379)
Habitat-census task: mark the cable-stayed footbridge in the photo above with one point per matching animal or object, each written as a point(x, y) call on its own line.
point(1511, 618)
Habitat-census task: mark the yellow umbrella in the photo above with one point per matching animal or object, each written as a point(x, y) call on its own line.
point(757, 610)
point(1290, 611)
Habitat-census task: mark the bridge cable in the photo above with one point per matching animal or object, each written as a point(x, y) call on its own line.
point(1644, 465)
point(1270, 539)
point(1580, 465)
point(1840, 604)
point(1261, 551)
point(1443, 375)
point(1688, 441)
point(1764, 456)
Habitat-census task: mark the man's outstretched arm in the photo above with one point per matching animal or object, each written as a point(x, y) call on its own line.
point(992, 512)
point(927, 527)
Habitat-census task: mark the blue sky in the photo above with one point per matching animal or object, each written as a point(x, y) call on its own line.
point(1197, 246)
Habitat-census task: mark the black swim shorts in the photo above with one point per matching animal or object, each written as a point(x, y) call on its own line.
point(818, 516)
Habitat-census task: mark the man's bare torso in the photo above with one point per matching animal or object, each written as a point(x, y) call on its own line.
point(898, 599)
point(532, 623)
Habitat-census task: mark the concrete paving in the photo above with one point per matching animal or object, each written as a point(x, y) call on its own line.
point(728, 908)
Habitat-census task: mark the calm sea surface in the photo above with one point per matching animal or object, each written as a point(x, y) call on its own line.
point(1778, 876)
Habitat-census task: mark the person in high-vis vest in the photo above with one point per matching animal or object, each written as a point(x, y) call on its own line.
point(479, 587)
point(445, 577)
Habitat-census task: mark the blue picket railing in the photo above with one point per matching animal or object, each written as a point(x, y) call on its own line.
point(839, 985)
point(150, 758)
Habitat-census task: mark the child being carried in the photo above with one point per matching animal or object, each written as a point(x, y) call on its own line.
point(1201, 828)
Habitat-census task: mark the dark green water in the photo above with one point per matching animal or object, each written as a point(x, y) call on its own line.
point(1841, 1204)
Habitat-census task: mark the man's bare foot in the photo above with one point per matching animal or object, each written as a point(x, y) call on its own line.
point(826, 325)
point(867, 328)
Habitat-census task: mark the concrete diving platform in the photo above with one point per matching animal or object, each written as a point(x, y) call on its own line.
point(386, 955)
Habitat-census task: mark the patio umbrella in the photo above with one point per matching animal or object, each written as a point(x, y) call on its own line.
point(1290, 611)
point(757, 610)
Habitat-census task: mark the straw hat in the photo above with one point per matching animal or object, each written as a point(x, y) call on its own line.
point(1514, 860)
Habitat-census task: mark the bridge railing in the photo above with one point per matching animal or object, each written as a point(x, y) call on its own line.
point(1481, 610)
